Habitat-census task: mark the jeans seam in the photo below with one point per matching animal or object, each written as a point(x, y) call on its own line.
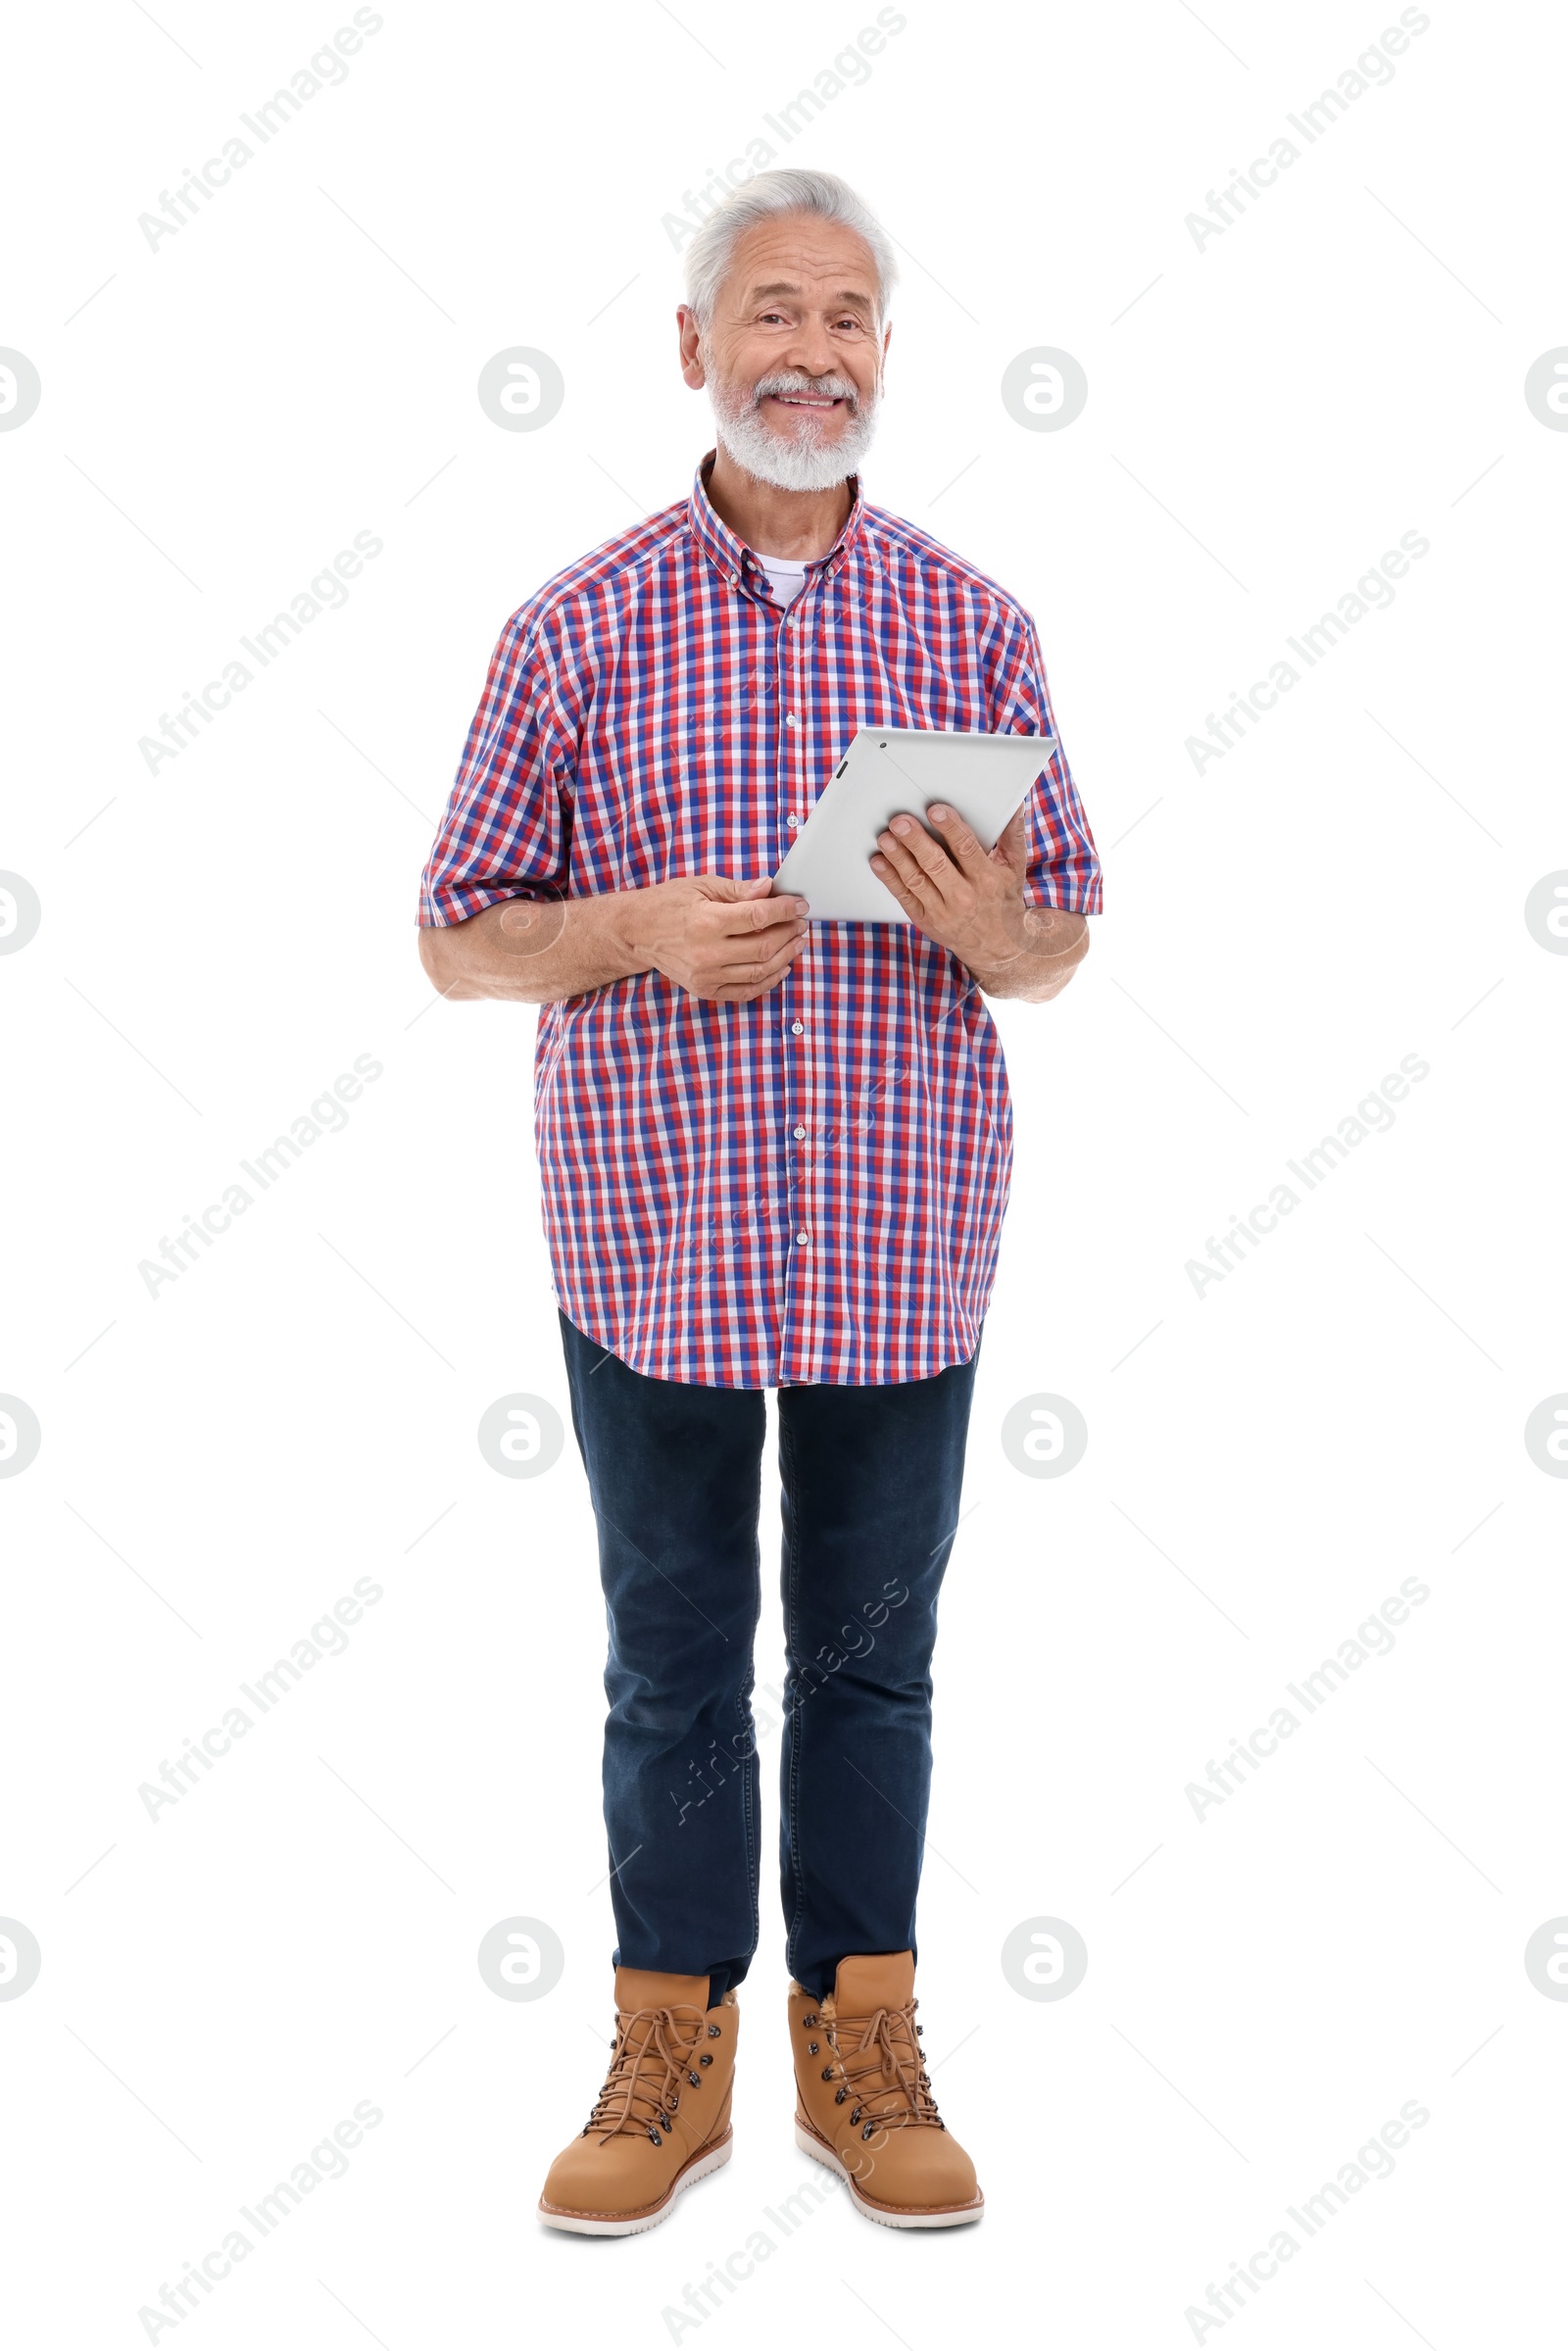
point(790, 1466)
point(749, 1782)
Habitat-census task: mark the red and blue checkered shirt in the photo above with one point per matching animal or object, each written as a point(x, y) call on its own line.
point(808, 1187)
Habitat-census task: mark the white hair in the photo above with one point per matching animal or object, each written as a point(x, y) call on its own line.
point(712, 250)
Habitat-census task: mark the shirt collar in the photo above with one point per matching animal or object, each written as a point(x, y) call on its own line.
point(731, 554)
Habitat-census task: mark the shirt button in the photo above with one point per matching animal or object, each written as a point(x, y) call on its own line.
point(800, 1134)
point(802, 1239)
point(797, 1028)
point(789, 717)
point(792, 822)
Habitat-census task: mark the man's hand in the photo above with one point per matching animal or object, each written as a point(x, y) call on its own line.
point(716, 937)
point(970, 901)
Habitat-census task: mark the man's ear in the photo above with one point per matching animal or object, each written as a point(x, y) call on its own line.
point(690, 365)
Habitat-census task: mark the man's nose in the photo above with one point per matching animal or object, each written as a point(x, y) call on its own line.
point(811, 351)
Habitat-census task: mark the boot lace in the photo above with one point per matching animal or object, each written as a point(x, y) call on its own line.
point(883, 2070)
point(656, 2056)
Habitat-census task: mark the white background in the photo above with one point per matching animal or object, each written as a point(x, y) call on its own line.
point(219, 1464)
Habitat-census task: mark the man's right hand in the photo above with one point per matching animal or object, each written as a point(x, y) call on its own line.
point(724, 940)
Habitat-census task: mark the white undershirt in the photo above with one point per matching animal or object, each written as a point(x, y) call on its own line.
point(786, 580)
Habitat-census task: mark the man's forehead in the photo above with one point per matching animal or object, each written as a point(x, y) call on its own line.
point(804, 255)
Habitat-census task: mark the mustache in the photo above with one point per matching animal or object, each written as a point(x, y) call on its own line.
point(825, 387)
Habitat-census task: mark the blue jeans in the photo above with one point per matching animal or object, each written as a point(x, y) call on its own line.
point(871, 1479)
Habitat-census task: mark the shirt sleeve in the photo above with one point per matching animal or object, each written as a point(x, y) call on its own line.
point(1064, 867)
point(506, 832)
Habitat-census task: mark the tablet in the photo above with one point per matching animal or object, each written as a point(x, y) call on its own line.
point(986, 778)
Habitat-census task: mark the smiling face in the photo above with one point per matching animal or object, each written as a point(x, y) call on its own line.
point(791, 357)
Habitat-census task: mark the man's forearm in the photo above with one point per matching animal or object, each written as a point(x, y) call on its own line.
point(1051, 945)
point(535, 951)
point(540, 952)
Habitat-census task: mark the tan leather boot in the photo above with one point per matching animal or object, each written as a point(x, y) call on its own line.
point(662, 2117)
point(864, 2103)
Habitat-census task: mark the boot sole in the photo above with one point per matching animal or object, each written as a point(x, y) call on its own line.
point(890, 2216)
point(627, 2223)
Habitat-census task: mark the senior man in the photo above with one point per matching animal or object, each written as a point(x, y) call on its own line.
point(773, 1157)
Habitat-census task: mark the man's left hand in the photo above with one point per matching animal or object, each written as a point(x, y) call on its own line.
point(965, 897)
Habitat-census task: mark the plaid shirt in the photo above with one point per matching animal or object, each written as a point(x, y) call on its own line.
point(808, 1187)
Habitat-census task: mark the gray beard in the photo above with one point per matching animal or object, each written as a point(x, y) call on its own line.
point(807, 459)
